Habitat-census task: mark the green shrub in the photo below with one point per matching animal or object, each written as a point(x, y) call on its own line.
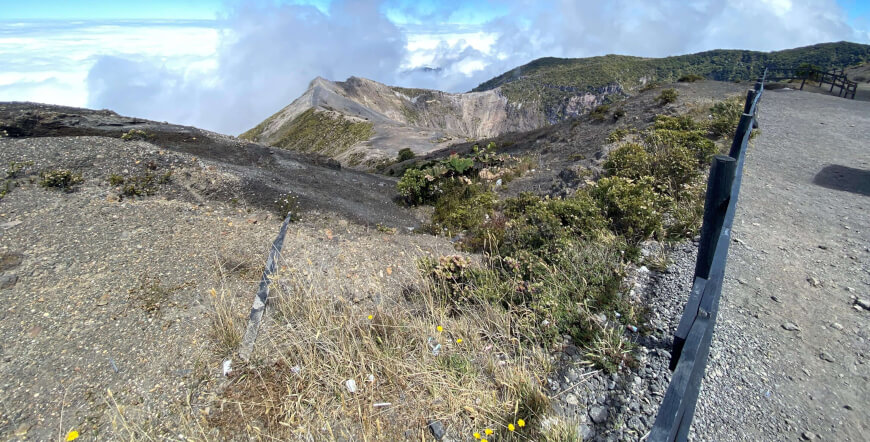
point(695, 140)
point(680, 122)
point(617, 135)
point(139, 185)
point(405, 155)
point(599, 113)
point(690, 78)
point(135, 134)
point(631, 205)
point(667, 96)
point(416, 186)
point(726, 115)
point(287, 203)
point(649, 86)
point(60, 179)
point(630, 160)
point(115, 179)
point(458, 164)
point(462, 206)
point(675, 168)
point(686, 210)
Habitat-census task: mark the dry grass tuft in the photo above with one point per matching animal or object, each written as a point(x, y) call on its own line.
point(471, 373)
point(226, 322)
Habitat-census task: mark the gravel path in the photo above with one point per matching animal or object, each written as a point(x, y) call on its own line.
point(790, 353)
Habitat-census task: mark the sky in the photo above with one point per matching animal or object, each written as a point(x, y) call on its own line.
point(225, 65)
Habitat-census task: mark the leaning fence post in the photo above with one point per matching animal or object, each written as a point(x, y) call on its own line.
point(715, 205)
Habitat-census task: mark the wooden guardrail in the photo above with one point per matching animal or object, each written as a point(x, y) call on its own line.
point(691, 345)
point(836, 78)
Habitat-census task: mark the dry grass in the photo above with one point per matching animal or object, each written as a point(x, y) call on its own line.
point(226, 322)
point(314, 341)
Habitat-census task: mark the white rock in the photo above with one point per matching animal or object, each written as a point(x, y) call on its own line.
point(351, 385)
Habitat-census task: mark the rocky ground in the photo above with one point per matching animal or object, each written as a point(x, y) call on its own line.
point(108, 318)
point(264, 175)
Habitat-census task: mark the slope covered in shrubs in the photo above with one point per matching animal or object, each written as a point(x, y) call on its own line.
point(558, 263)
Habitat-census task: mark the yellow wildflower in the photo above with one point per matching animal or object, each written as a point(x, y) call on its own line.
point(371, 317)
point(439, 328)
point(521, 423)
point(477, 435)
point(484, 440)
point(72, 435)
point(487, 431)
point(459, 341)
point(511, 427)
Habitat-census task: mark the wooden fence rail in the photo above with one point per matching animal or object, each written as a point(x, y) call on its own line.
point(837, 79)
point(694, 333)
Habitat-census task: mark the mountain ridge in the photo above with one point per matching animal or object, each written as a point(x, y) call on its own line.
point(364, 124)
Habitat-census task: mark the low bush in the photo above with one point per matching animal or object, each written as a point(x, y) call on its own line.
point(139, 185)
point(63, 179)
point(633, 206)
point(690, 78)
point(404, 155)
point(667, 96)
point(425, 183)
point(599, 113)
point(462, 206)
point(696, 141)
point(649, 86)
point(617, 135)
point(135, 134)
point(631, 160)
point(16, 167)
point(725, 117)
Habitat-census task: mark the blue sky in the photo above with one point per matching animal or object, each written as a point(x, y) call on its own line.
point(226, 65)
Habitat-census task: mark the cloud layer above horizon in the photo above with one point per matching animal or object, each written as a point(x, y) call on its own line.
point(228, 75)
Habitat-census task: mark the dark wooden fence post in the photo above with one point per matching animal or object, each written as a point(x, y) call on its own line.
point(750, 98)
point(743, 128)
point(715, 205)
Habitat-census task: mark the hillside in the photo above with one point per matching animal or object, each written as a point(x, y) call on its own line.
point(363, 123)
point(263, 175)
point(551, 84)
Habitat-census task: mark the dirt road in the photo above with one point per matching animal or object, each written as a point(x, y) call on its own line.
point(790, 352)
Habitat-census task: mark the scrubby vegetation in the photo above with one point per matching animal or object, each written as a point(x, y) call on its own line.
point(667, 96)
point(546, 82)
point(690, 78)
point(144, 184)
point(316, 131)
point(558, 263)
point(599, 113)
point(63, 179)
point(405, 154)
point(135, 135)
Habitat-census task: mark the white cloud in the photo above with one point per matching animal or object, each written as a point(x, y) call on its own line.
point(232, 74)
point(49, 61)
